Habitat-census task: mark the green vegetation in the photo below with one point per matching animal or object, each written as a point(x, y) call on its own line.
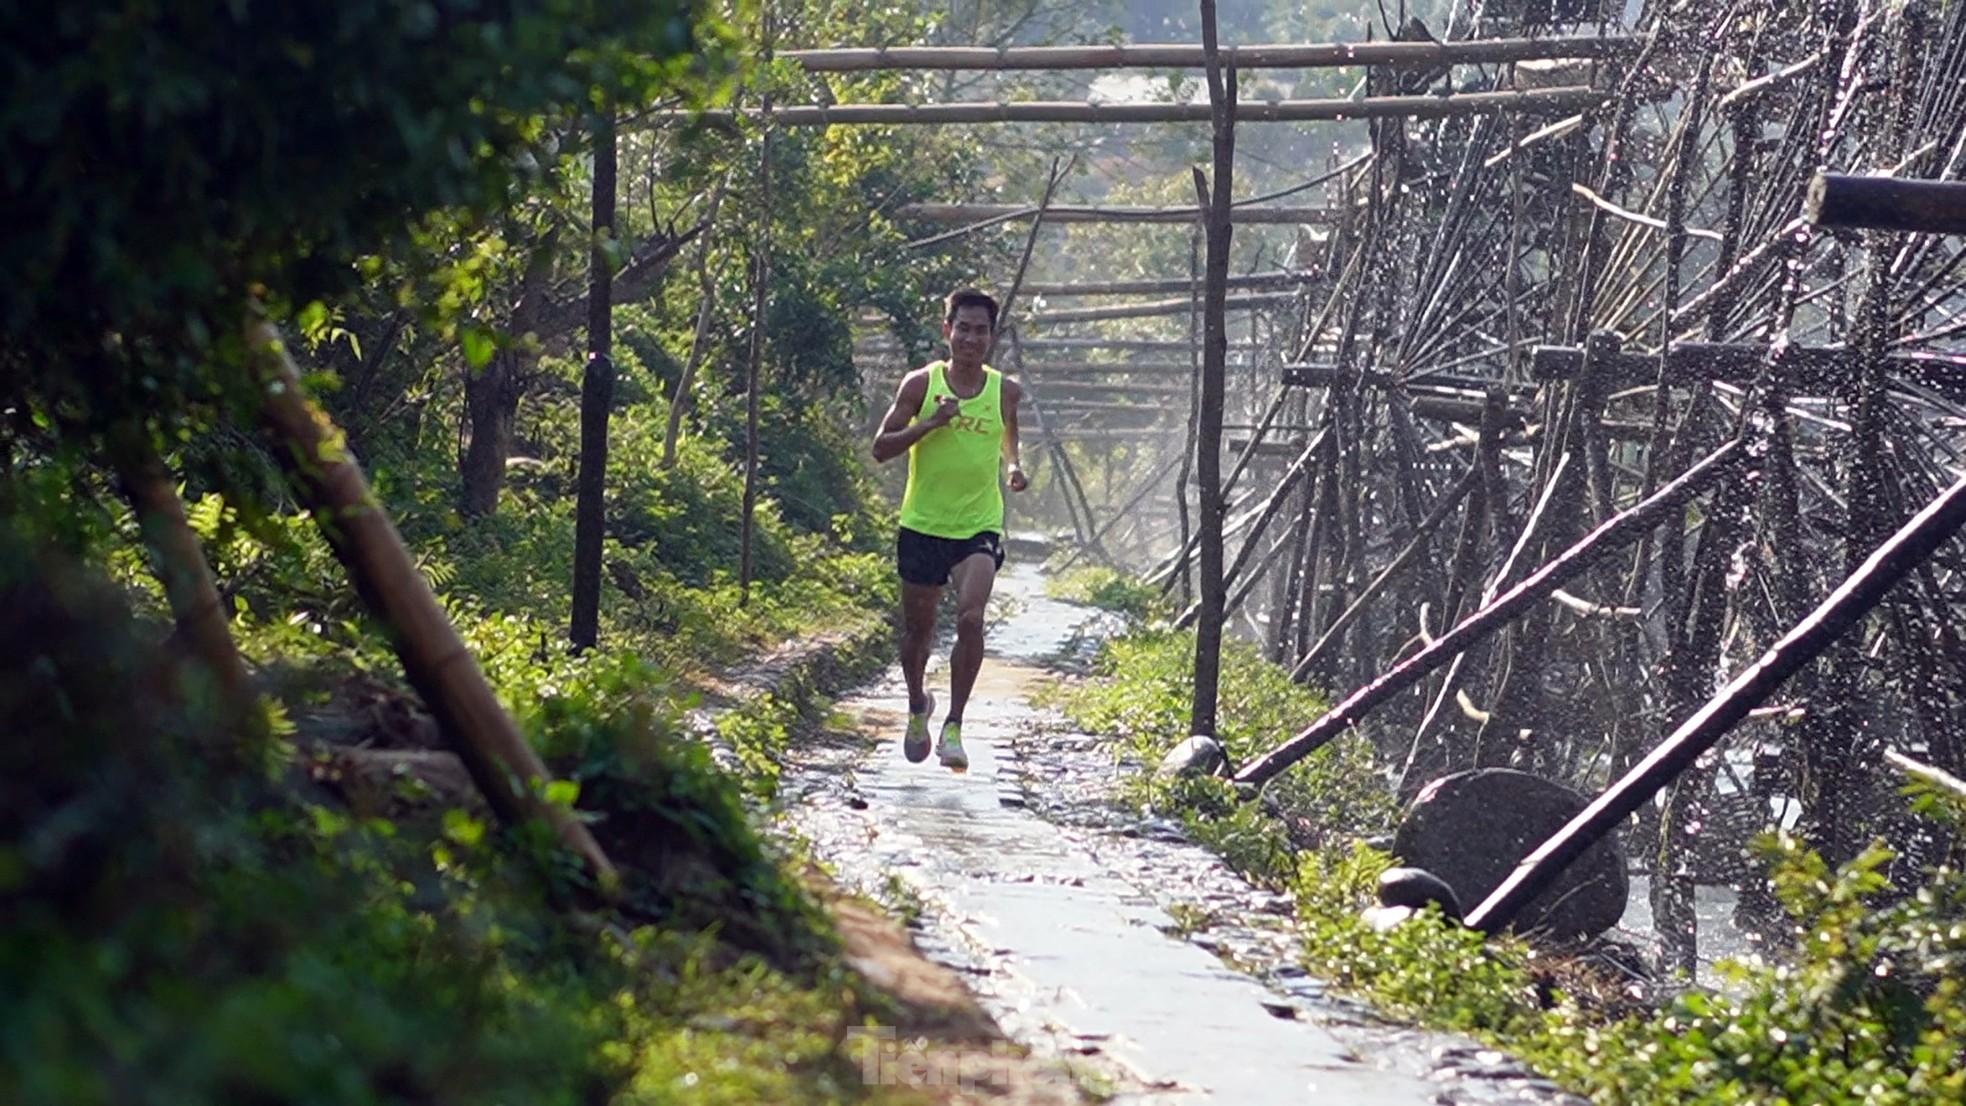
point(1868, 1005)
point(1108, 589)
point(287, 891)
point(1142, 692)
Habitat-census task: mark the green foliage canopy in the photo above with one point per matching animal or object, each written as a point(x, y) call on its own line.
point(174, 160)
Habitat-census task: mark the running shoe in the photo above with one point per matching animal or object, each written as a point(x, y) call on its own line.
point(950, 748)
point(915, 745)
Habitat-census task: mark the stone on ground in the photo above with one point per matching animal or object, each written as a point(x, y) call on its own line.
point(1472, 829)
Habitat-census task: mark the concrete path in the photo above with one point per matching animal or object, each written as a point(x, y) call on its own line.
point(1072, 957)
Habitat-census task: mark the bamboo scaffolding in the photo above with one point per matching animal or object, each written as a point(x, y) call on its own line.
point(1189, 56)
point(1859, 592)
point(1614, 534)
point(1535, 100)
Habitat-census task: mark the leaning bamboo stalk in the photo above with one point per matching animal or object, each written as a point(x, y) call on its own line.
point(1613, 535)
point(434, 658)
point(1186, 55)
point(1406, 556)
point(1566, 99)
point(1272, 506)
point(1845, 607)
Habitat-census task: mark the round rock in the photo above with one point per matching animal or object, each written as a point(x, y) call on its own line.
point(1472, 829)
point(1197, 756)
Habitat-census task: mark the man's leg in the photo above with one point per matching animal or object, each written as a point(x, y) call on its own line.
point(918, 603)
point(974, 578)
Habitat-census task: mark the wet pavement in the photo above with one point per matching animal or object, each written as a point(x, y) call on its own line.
point(1089, 932)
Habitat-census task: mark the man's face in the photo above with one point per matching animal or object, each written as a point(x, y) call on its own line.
point(969, 332)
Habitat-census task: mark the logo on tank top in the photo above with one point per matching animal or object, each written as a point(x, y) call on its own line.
point(972, 424)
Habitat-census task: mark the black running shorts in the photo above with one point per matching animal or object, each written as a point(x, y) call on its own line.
point(926, 559)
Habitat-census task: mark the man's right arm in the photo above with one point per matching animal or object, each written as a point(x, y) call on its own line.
point(899, 428)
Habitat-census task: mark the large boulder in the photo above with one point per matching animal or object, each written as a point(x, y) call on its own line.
point(1472, 829)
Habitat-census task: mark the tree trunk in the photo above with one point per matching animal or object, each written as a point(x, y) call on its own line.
point(435, 659)
point(491, 394)
point(754, 364)
point(596, 397)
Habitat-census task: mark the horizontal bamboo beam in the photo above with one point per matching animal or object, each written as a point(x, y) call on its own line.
point(1326, 376)
point(1821, 369)
point(1244, 283)
point(1535, 100)
point(1188, 56)
point(1130, 345)
point(1887, 203)
point(1072, 213)
point(1246, 302)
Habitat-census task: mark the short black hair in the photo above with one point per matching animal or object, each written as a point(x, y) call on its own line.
point(969, 297)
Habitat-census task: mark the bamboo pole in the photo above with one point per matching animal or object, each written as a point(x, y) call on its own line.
point(1614, 534)
point(1553, 100)
point(1190, 56)
point(1447, 502)
point(1845, 607)
point(435, 660)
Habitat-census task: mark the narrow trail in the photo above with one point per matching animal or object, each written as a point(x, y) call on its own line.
point(1089, 933)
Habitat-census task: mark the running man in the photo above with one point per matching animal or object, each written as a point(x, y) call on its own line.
point(954, 419)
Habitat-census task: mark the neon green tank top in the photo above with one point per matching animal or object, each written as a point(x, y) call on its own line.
point(953, 489)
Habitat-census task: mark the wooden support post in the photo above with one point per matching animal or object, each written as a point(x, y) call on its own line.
point(1222, 111)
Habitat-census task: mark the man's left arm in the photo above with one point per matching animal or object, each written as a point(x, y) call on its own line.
point(1013, 394)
